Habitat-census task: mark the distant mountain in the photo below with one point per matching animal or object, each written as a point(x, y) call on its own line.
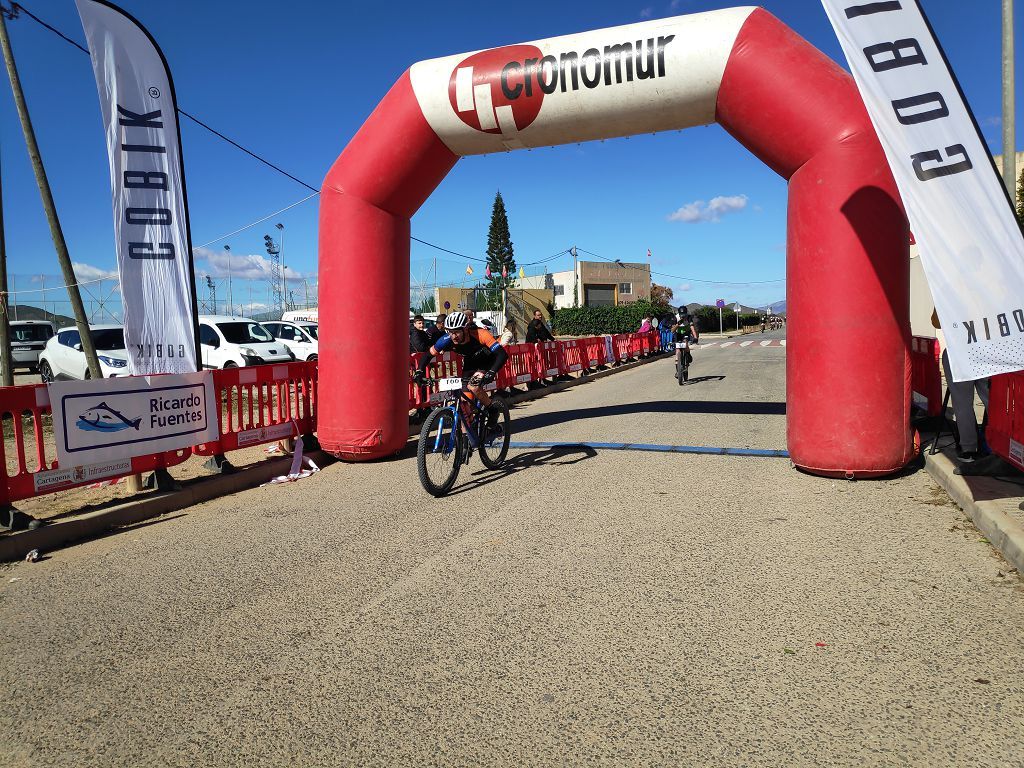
point(778, 308)
point(28, 312)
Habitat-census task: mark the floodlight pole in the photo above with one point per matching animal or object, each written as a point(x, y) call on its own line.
point(1009, 111)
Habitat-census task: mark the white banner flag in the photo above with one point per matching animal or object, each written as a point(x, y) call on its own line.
point(102, 420)
point(154, 255)
point(971, 247)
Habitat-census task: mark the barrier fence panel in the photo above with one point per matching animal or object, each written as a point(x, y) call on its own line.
point(263, 404)
point(594, 354)
point(926, 374)
point(442, 366)
point(1005, 431)
point(623, 344)
point(636, 345)
point(572, 359)
point(28, 457)
point(549, 360)
point(521, 367)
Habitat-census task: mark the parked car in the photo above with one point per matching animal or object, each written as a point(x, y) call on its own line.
point(63, 358)
point(235, 342)
point(28, 339)
point(299, 337)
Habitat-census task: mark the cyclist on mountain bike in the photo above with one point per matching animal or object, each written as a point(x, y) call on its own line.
point(684, 330)
point(482, 355)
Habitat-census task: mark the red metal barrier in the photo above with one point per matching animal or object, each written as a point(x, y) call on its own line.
point(594, 352)
point(623, 346)
point(29, 468)
point(263, 404)
point(636, 345)
point(444, 365)
point(521, 367)
point(572, 358)
point(926, 374)
point(1005, 431)
point(549, 359)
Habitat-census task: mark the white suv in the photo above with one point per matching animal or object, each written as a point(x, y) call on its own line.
point(299, 337)
point(28, 340)
point(235, 342)
point(63, 358)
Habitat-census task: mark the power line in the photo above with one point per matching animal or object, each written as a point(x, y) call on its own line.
point(690, 279)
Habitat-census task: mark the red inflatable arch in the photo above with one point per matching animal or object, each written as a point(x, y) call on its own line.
point(848, 368)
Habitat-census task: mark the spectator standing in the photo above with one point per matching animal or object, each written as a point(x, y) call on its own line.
point(510, 335)
point(645, 326)
point(436, 331)
point(537, 331)
point(419, 341)
point(962, 395)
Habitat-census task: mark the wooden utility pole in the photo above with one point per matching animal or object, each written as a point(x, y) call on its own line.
point(6, 363)
point(51, 211)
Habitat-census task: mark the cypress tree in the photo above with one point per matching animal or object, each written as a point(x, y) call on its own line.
point(499, 247)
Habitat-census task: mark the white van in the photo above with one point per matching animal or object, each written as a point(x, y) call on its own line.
point(28, 338)
point(300, 337)
point(302, 315)
point(235, 342)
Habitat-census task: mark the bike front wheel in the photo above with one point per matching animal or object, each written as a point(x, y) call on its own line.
point(439, 452)
point(494, 444)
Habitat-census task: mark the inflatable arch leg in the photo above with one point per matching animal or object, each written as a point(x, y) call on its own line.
point(848, 385)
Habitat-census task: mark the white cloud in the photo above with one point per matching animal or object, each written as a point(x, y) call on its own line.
point(714, 210)
point(88, 272)
point(252, 266)
point(685, 287)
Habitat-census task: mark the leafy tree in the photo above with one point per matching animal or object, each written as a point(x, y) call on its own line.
point(500, 255)
point(661, 295)
point(427, 306)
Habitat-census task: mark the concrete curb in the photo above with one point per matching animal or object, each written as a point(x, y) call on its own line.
point(992, 515)
point(15, 546)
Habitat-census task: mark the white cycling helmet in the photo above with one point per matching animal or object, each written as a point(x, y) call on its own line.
point(455, 321)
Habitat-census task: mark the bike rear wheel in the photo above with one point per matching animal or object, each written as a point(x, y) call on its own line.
point(494, 447)
point(439, 452)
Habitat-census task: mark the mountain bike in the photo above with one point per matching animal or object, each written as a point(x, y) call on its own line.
point(456, 428)
point(683, 360)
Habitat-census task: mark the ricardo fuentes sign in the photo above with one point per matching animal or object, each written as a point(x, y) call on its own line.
point(106, 419)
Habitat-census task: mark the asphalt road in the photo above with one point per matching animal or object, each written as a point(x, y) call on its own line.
point(582, 607)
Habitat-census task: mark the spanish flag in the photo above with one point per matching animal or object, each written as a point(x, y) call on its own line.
point(469, 270)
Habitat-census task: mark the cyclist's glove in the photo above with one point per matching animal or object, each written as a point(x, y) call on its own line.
point(420, 378)
point(486, 378)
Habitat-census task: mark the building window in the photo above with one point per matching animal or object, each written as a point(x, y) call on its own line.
point(625, 287)
point(559, 290)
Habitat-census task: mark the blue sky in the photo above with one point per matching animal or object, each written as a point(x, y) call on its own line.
point(293, 82)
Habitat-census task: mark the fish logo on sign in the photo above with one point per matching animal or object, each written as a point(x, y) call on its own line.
point(489, 95)
point(103, 418)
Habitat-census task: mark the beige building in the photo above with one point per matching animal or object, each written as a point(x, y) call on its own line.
point(601, 284)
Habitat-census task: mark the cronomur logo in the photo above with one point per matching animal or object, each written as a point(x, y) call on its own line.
point(501, 91)
point(479, 99)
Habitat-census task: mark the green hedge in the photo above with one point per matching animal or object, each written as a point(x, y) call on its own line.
point(626, 318)
point(593, 321)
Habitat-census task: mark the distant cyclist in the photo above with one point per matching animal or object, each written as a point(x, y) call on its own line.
point(685, 330)
point(482, 355)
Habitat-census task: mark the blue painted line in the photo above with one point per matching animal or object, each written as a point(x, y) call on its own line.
point(717, 451)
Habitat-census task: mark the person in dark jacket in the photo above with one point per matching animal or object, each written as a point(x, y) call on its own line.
point(419, 341)
point(536, 331)
point(436, 330)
